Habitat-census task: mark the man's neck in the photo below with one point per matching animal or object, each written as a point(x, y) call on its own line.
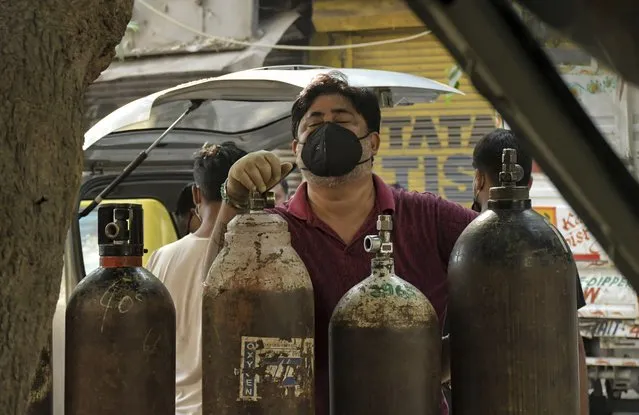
point(353, 199)
point(208, 212)
point(484, 200)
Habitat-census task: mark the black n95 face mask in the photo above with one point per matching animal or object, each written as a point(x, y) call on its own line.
point(332, 151)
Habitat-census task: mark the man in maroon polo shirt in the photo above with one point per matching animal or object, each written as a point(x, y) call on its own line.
point(335, 138)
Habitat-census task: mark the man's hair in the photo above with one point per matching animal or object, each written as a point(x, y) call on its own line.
point(185, 201)
point(364, 101)
point(211, 168)
point(284, 185)
point(488, 151)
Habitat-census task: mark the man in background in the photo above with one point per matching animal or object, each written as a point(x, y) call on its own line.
point(179, 266)
point(488, 164)
point(187, 218)
point(281, 192)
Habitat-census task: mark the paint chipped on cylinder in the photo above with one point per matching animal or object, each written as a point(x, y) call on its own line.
point(384, 342)
point(512, 309)
point(258, 321)
point(120, 328)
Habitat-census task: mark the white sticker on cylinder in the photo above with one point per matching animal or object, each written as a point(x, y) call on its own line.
point(285, 363)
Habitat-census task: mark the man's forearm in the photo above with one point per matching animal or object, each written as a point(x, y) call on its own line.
point(224, 216)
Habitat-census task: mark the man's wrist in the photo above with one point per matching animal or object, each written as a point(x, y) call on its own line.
point(228, 199)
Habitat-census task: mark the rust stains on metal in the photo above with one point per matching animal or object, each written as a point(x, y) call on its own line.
point(258, 323)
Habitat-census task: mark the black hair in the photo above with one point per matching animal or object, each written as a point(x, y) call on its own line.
point(185, 201)
point(211, 168)
point(488, 151)
point(284, 185)
point(364, 101)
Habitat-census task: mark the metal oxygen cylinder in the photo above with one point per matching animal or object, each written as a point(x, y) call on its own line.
point(384, 342)
point(258, 321)
point(512, 308)
point(120, 328)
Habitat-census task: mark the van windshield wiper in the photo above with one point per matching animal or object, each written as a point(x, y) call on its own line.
point(195, 104)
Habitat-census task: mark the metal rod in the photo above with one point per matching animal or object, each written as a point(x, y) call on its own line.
point(195, 104)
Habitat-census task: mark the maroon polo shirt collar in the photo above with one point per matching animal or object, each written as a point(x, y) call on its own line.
point(299, 207)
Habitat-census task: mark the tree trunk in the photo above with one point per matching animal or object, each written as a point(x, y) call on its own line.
point(40, 400)
point(50, 50)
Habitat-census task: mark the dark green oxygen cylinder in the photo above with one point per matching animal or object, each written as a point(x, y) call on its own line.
point(120, 328)
point(513, 322)
point(384, 342)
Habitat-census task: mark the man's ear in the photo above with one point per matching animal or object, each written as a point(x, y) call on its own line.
point(197, 195)
point(294, 145)
point(480, 181)
point(530, 182)
point(375, 142)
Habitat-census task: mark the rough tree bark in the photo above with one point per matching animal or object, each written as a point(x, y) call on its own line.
point(50, 51)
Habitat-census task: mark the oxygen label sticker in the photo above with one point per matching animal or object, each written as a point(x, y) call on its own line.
point(269, 363)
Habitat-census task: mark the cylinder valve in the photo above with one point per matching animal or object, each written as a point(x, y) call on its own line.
point(260, 201)
point(381, 244)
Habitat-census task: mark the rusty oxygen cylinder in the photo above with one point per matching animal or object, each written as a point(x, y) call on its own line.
point(120, 328)
point(384, 342)
point(512, 307)
point(258, 321)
